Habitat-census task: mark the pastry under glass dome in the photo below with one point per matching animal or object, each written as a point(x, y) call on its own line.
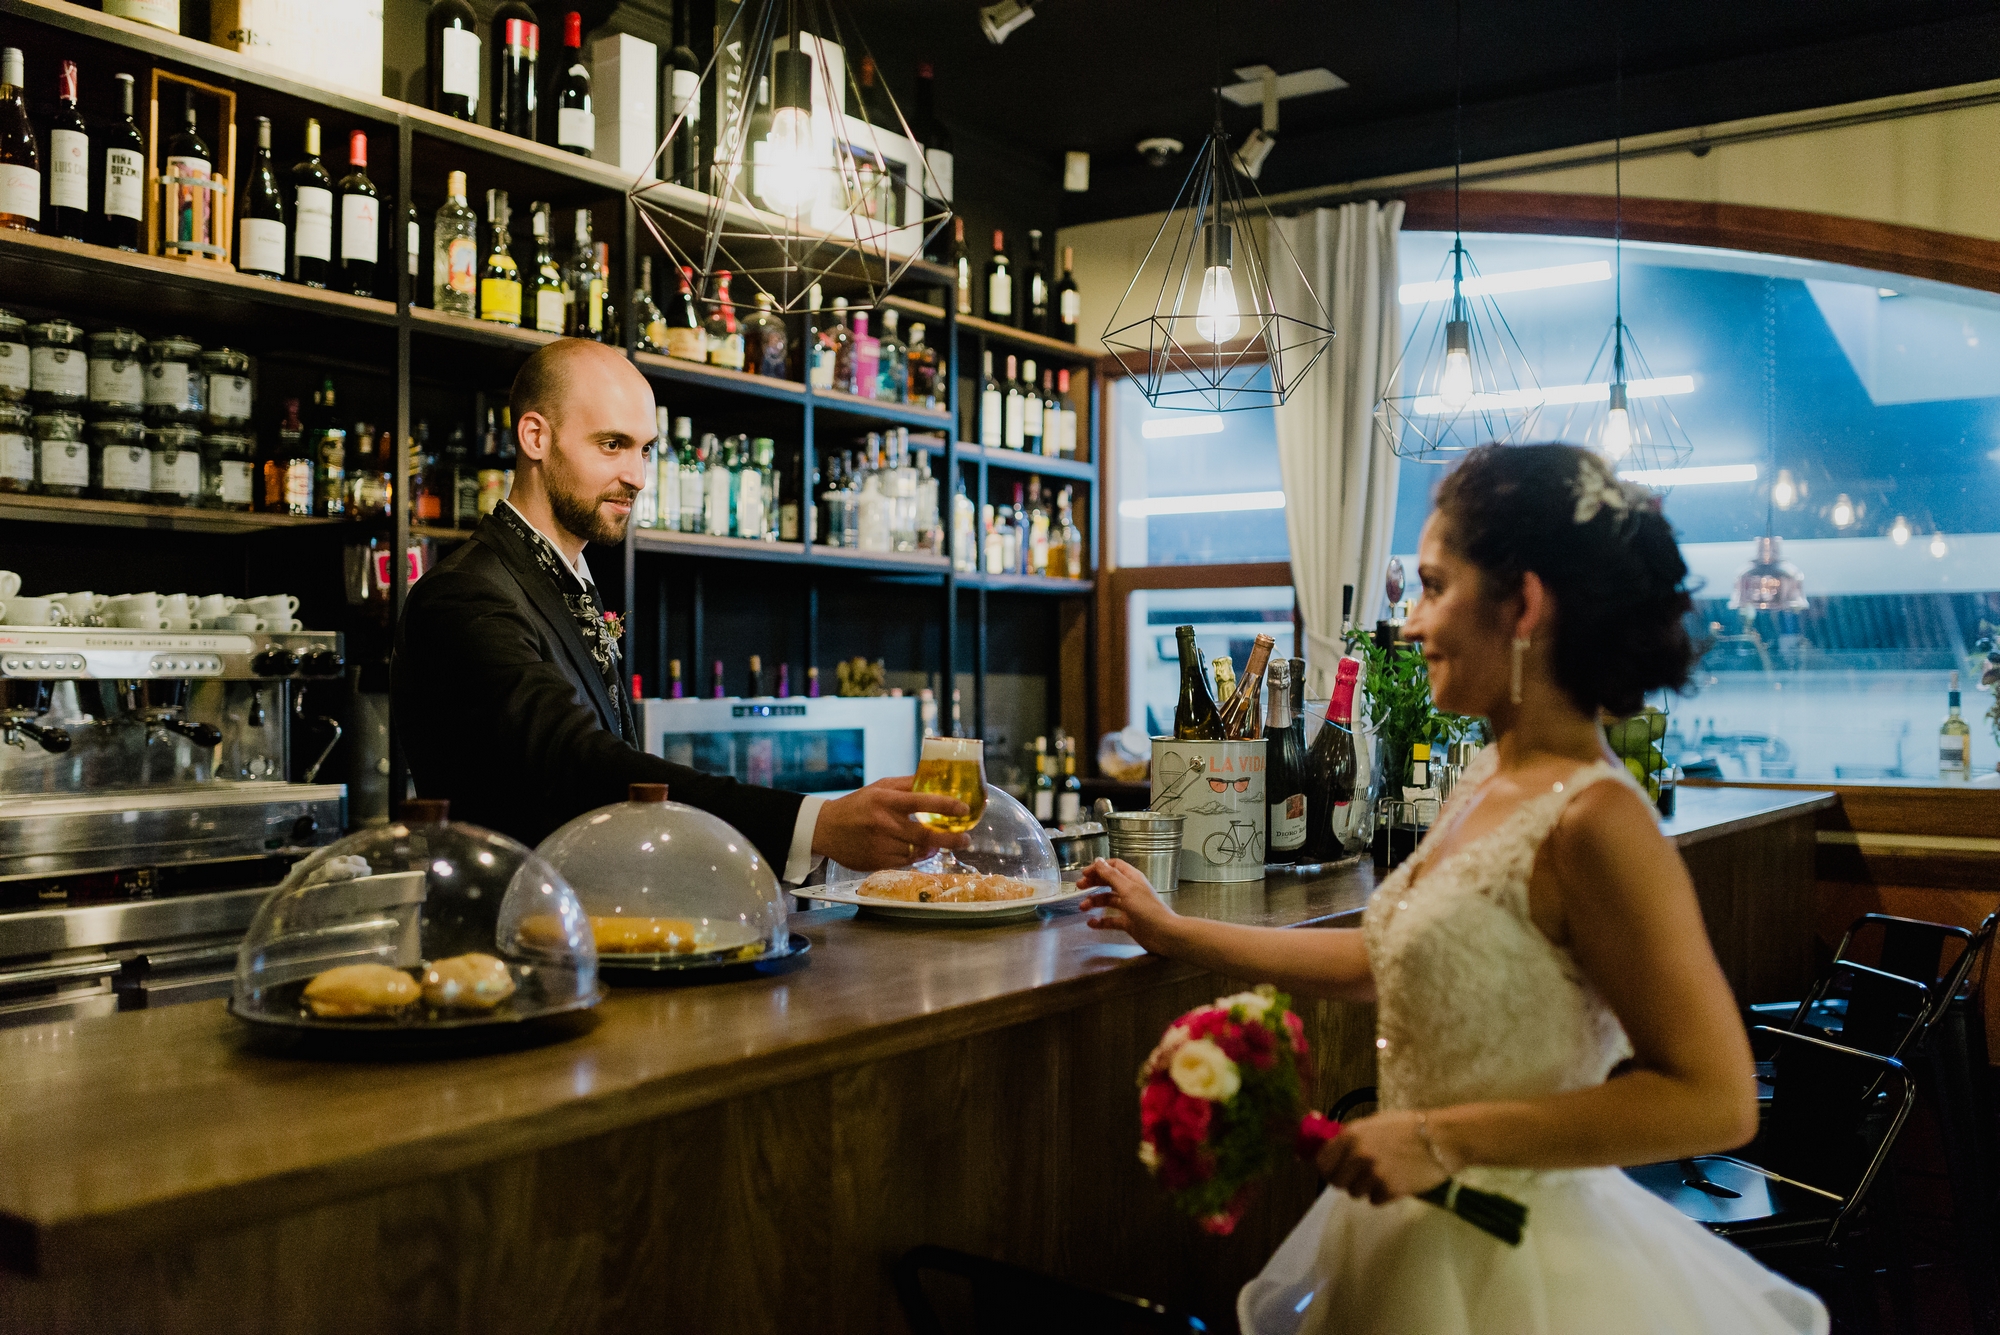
point(664, 884)
point(419, 924)
point(1007, 841)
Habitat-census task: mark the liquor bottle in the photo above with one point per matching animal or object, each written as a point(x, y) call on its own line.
point(1031, 409)
point(20, 154)
point(1036, 316)
point(675, 689)
point(1068, 304)
point(274, 470)
point(260, 231)
point(548, 305)
point(957, 713)
point(1072, 539)
point(1330, 768)
point(1285, 769)
point(716, 486)
point(360, 218)
point(508, 454)
point(513, 84)
point(455, 252)
point(464, 471)
point(575, 121)
point(326, 439)
point(841, 338)
point(451, 44)
point(784, 681)
point(1067, 440)
point(1069, 797)
point(964, 529)
point(683, 79)
point(812, 682)
point(584, 312)
point(725, 336)
point(1196, 719)
point(371, 483)
point(755, 686)
point(766, 348)
point(687, 333)
point(1051, 431)
point(921, 359)
point(426, 504)
point(935, 140)
point(186, 224)
point(1045, 784)
point(992, 404)
point(717, 679)
point(500, 281)
point(1015, 409)
point(69, 162)
point(999, 282)
point(312, 214)
point(1242, 713)
point(1038, 529)
point(646, 314)
point(961, 263)
point(121, 202)
point(1954, 741)
point(691, 483)
point(892, 364)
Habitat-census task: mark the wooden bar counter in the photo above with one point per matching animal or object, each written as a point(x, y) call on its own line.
point(744, 1157)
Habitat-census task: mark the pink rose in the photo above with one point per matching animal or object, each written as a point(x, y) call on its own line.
point(1296, 1028)
point(1315, 1130)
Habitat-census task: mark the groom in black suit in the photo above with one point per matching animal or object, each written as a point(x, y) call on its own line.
point(506, 686)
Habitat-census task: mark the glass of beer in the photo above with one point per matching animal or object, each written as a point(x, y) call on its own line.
point(953, 767)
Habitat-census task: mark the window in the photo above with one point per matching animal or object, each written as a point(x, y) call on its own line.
point(1225, 620)
point(1886, 469)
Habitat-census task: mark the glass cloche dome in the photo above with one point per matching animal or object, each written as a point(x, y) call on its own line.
point(1008, 841)
point(663, 883)
point(416, 925)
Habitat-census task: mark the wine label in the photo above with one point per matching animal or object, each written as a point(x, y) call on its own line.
point(261, 246)
point(233, 481)
point(20, 191)
point(690, 499)
point(167, 386)
point(990, 417)
point(461, 257)
point(117, 382)
point(177, 472)
point(1069, 808)
point(1045, 805)
point(414, 243)
point(576, 128)
point(500, 300)
point(313, 217)
point(188, 212)
point(750, 505)
point(999, 296)
point(1288, 822)
point(1952, 749)
point(358, 241)
point(128, 468)
point(718, 502)
point(692, 345)
point(1015, 435)
point(726, 351)
point(459, 75)
point(59, 371)
point(1072, 306)
point(69, 170)
point(1068, 450)
point(1051, 430)
point(65, 463)
point(686, 83)
point(17, 457)
point(299, 486)
point(124, 183)
point(549, 311)
point(14, 372)
point(229, 398)
point(939, 160)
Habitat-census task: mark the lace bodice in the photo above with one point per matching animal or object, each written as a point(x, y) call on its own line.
point(1473, 1002)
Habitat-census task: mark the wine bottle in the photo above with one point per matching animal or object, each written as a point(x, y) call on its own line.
point(1196, 719)
point(122, 200)
point(842, 340)
point(675, 688)
point(260, 230)
point(646, 314)
point(189, 203)
point(1013, 424)
point(1051, 432)
point(69, 162)
point(360, 222)
point(725, 335)
point(455, 252)
point(1069, 797)
point(999, 282)
point(1067, 440)
point(1045, 784)
point(935, 140)
point(326, 440)
point(548, 275)
point(1285, 767)
point(451, 43)
point(1330, 769)
point(1031, 409)
point(684, 103)
point(1068, 303)
point(992, 410)
point(576, 122)
point(513, 82)
point(1242, 719)
point(20, 155)
point(755, 687)
point(1035, 319)
point(500, 280)
point(1954, 740)
point(584, 313)
point(766, 349)
point(608, 328)
point(296, 466)
point(961, 263)
point(312, 214)
point(687, 333)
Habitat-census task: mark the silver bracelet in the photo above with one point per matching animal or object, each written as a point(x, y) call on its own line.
point(1430, 1146)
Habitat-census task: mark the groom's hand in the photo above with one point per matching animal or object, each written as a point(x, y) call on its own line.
point(1380, 1157)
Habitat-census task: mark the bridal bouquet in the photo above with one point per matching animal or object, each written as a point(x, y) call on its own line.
point(1222, 1105)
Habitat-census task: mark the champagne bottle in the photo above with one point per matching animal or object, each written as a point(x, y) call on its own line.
point(1196, 719)
point(1285, 765)
point(1330, 769)
point(1241, 718)
point(260, 228)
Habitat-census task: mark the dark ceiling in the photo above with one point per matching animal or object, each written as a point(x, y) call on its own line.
point(1102, 74)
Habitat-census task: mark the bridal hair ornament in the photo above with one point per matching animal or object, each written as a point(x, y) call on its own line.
point(1597, 488)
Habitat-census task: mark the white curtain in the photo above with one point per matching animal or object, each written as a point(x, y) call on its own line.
point(1339, 470)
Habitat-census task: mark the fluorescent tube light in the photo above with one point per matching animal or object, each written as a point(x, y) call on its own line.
point(1517, 280)
point(1691, 477)
point(1520, 400)
point(1182, 424)
point(1202, 505)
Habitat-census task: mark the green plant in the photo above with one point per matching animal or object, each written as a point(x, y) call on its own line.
point(1400, 712)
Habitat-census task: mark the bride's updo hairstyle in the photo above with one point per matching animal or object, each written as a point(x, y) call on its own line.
point(1600, 546)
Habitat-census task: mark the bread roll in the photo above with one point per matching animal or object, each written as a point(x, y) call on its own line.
point(472, 982)
point(923, 887)
point(355, 991)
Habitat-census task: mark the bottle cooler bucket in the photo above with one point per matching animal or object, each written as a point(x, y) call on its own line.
point(1221, 803)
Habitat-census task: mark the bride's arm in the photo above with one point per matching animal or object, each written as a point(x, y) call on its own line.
point(1635, 928)
point(1329, 962)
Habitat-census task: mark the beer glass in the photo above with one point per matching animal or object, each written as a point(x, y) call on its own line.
point(953, 767)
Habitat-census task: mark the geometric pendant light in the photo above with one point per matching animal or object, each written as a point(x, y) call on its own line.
point(786, 189)
point(1769, 583)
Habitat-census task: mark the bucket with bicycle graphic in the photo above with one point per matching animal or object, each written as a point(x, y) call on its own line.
point(1218, 790)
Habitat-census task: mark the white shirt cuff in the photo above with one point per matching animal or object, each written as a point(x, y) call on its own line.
point(799, 862)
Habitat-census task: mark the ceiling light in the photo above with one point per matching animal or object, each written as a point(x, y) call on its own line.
point(1784, 492)
point(1224, 503)
point(1159, 151)
point(1514, 280)
point(1843, 513)
point(1690, 477)
point(1523, 400)
point(1769, 583)
point(999, 21)
point(1899, 532)
point(1938, 547)
point(1299, 83)
point(1194, 424)
point(1250, 158)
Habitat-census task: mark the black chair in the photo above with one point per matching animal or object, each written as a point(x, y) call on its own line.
point(1909, 948)
point(1011, 1298)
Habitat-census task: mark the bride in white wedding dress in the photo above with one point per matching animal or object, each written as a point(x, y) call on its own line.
point(1542, 933)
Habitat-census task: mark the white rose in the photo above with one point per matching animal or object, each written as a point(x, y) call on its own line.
point(1255, 1003)
point(1201, 1070)
point(1170, 1043)
point(1148, 1155)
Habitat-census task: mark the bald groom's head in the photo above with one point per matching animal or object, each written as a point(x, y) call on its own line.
point(584, 425)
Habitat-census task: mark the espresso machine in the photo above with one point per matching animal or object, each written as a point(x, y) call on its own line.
point(146, 806)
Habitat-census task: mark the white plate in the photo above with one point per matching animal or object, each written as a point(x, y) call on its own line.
point(993, 910)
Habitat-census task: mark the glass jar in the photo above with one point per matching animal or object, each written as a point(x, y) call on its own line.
point(58, 371)
point(121, 467)
point(227, 372)
point(17, 449)
point(117, 373)
point(173, 380)
point(14, 374)
point(176, 452)
point(63, 464)
point(225, 470)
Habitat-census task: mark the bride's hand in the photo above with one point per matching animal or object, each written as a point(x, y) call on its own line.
point(1130, 904)
point(1380, 1157)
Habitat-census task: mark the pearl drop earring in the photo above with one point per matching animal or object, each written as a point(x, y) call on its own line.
point(1520, 648)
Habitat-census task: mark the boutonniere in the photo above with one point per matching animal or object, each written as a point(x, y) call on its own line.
point(614, 625)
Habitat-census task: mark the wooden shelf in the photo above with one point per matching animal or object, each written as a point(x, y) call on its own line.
point(702, 544)
point(1027, 584)
point(479, 139)
point(1021, 338)
point(1048, 465)
point(719, 377)
point(902, 414)
point(126, 514)
point(923, 310)
point(899, 563)
point(473, 330)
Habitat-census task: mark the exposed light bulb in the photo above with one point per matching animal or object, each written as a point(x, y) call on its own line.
point(1938, 547)
point(1617, 441)
point(1215, 316)
point(1843, 511)
point(784, 161)
point(1899, 532)
point(1455, 380)
point(1785, 492)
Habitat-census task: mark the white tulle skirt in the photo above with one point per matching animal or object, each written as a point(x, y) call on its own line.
point(1600, 1254)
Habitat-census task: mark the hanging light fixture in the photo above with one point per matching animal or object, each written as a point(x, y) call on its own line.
point(1466, 379)
point(1211, 330)
point(1769, 583)
point(788, 191)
